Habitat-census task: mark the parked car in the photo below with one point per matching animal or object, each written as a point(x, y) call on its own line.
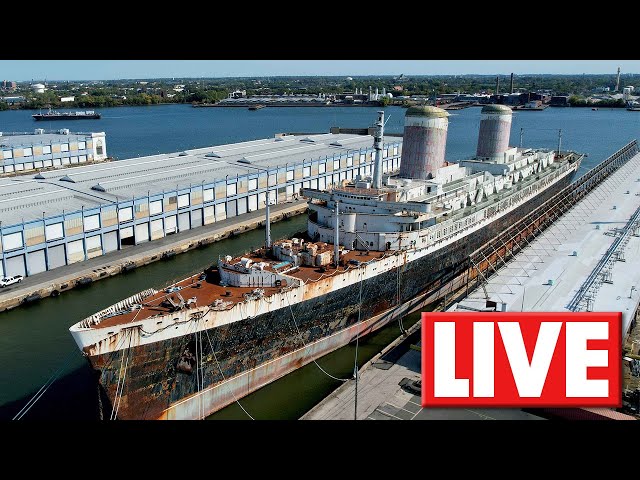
point(5, 281)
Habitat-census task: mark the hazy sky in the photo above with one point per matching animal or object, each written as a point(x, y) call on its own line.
point(25, 70)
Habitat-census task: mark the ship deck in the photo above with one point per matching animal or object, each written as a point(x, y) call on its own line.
point(208, 290)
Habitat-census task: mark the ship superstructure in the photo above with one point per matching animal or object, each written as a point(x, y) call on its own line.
point(376, 249)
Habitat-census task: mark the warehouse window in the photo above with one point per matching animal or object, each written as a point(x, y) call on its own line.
point(82, 145)
point(99, 148)
point(7, 154)
point(46, 149)
point(322, 167)
point(336, 164)
point(28, 152)
point(64, 147)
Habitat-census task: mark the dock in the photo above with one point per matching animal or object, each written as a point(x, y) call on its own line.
point(59, 280)
point(587, 259)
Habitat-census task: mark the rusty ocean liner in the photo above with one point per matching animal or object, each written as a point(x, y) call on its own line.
point(376, 248)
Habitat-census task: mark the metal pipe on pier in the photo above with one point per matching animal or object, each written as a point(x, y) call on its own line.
point(267, 231)
point(377, 145)
point(336, 239)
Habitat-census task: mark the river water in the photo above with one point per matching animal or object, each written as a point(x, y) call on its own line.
point(34, 340)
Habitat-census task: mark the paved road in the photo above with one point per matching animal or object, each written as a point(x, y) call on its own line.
point(76, 270)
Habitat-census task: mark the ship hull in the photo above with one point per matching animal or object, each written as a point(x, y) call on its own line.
point(241, 357)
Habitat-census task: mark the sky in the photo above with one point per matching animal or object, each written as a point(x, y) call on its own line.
point(27, 70)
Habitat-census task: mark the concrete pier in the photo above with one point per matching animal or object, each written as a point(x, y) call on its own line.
point(56, 281)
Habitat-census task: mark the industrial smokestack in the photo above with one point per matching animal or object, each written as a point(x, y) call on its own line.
point(618, 80)
point(424, 142)
point(498, 85)
point(511, 86)
point(495, 128)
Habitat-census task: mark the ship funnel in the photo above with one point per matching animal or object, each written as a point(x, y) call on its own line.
point(495, 128)
point(377, 145)
point(424, 142)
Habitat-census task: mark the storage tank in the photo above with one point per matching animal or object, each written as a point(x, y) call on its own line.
point(424, 142)
point(495, 128)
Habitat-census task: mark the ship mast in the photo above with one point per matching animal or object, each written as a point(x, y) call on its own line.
point(377, 145)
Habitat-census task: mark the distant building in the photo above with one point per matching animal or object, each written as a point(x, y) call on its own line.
point(67, 99)
point(9, 85)
point(477, 97)
point(559, 101)
point(542, 96)
point(516, 98)
point(14, 99)
point(238, 94)
point(38, 88)
point(31, 151)
point(397, 88)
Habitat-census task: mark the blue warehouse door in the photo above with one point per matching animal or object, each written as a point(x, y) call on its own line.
point(110, 241)
point(183, 222)
point(196, 218)
point(57, 257)
point(15, 266)
point(36, 262)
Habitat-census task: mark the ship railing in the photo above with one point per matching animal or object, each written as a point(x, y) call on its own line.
point(122, 306)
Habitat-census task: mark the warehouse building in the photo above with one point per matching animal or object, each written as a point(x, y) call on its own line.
point(56, 218)
point(21, 152)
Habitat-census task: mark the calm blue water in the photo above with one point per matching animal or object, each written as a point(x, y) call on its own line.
point(34, 340)
point(139, 131)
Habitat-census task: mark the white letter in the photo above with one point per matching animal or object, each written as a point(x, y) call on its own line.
point(579, 358)
point(483, 361)
point(530, 378)
point(445, 383)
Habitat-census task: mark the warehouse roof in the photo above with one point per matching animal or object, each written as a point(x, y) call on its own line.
point(13, 140)
point(26, 197)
